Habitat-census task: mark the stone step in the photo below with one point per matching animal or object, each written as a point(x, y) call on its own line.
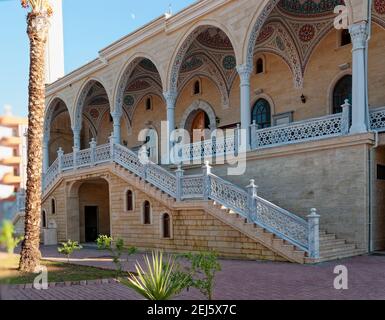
point(339, 249)
point(339, 256)
point(328, 236)
point(332, 244)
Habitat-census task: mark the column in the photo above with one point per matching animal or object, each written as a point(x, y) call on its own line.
point(76, 133)
point(170, 97)
point(116, 116)
point(244, 72)
point(45, 154)
point(359, 35)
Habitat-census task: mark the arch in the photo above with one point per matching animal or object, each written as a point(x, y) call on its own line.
point(261, 113)
point(184, 44)
point(266, 97)
point(212, 72)
point(53, 206)
point(166, 226)
point(81, 99)
point(199, 105)
point(43, 222)
point(259, 18)
point(150, 138)
point(92, 192)
point(129, 200)
point(331, 87)
point(146, 213)
point(342, 90)
point(125, 76)
point(286, 48)
point(49, 113)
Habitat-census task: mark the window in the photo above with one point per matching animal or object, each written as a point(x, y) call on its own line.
point(260, 66)
point(129, 200)
point(380, 172)
point(342, 91)
point(53, 206)
point(148, 104)
point(166, 226)
point(43, 219)
point(261, 114)
point(345, 38)
point(146, 213)
point(197, 87)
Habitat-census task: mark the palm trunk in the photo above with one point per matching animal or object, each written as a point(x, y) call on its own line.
point(37, 32)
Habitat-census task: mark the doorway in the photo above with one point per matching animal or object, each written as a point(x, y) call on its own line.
point(199, 123)
point(91, 223)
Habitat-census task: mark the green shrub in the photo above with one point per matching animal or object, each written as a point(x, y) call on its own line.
point(104, 242)
point(67, 248)
point(7, 239)
point(160, 281)
point(117, 250)
point(204, 267)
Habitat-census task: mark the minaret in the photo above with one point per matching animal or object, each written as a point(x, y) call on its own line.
point(55, 44)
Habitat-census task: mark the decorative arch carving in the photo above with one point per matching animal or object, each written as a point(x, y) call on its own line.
point(199, 105)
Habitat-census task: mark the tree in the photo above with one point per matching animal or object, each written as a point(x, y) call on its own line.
point(37, 30)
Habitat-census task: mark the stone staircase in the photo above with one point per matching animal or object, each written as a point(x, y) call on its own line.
point(160, 184)
point(331, 247)
point(227, 216)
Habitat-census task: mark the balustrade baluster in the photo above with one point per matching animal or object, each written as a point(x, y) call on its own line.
point(179, 183)
point(252, 194)
point(60, 154)
point(313, 233)
point(346, 117)
point(93, 152)
point(75, 156)
point(206, 180)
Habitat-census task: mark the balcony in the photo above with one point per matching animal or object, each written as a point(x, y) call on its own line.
point(10, 161)
point(10, 180)
point(12, 122)
point(10, 141)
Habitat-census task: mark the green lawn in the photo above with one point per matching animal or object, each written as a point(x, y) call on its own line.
point(57, 272)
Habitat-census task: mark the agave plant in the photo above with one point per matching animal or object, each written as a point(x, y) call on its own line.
point(161, 281)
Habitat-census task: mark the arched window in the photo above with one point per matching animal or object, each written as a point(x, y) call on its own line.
point(129, 200)
point(197, 87)
point(261, 114)
point(148, 103)
point(260, 66)
point(166, 226)
point(146, 213)
point(43, 219)
point(53, 206)
point(345, 38)
point(342, 91)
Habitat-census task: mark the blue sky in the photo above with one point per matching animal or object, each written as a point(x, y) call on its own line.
point(89, 25)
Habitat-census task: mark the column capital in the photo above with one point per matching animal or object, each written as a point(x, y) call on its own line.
point(244, 71)
point(170, 97)
point(116, 115)
point(359, 33)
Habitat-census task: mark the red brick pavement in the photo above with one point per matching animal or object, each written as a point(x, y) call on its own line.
point(238, 280)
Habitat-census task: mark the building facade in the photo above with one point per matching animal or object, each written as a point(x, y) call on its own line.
point(289, 91)
point(13, 160)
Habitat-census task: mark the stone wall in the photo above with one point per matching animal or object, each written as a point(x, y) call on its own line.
point(378, 201)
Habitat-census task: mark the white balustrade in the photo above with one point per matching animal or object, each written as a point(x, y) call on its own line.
point(208, 149)
point(377, 119)
point(308, 130)
point(203, 186)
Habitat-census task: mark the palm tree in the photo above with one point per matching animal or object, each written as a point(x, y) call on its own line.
point(37, 29)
